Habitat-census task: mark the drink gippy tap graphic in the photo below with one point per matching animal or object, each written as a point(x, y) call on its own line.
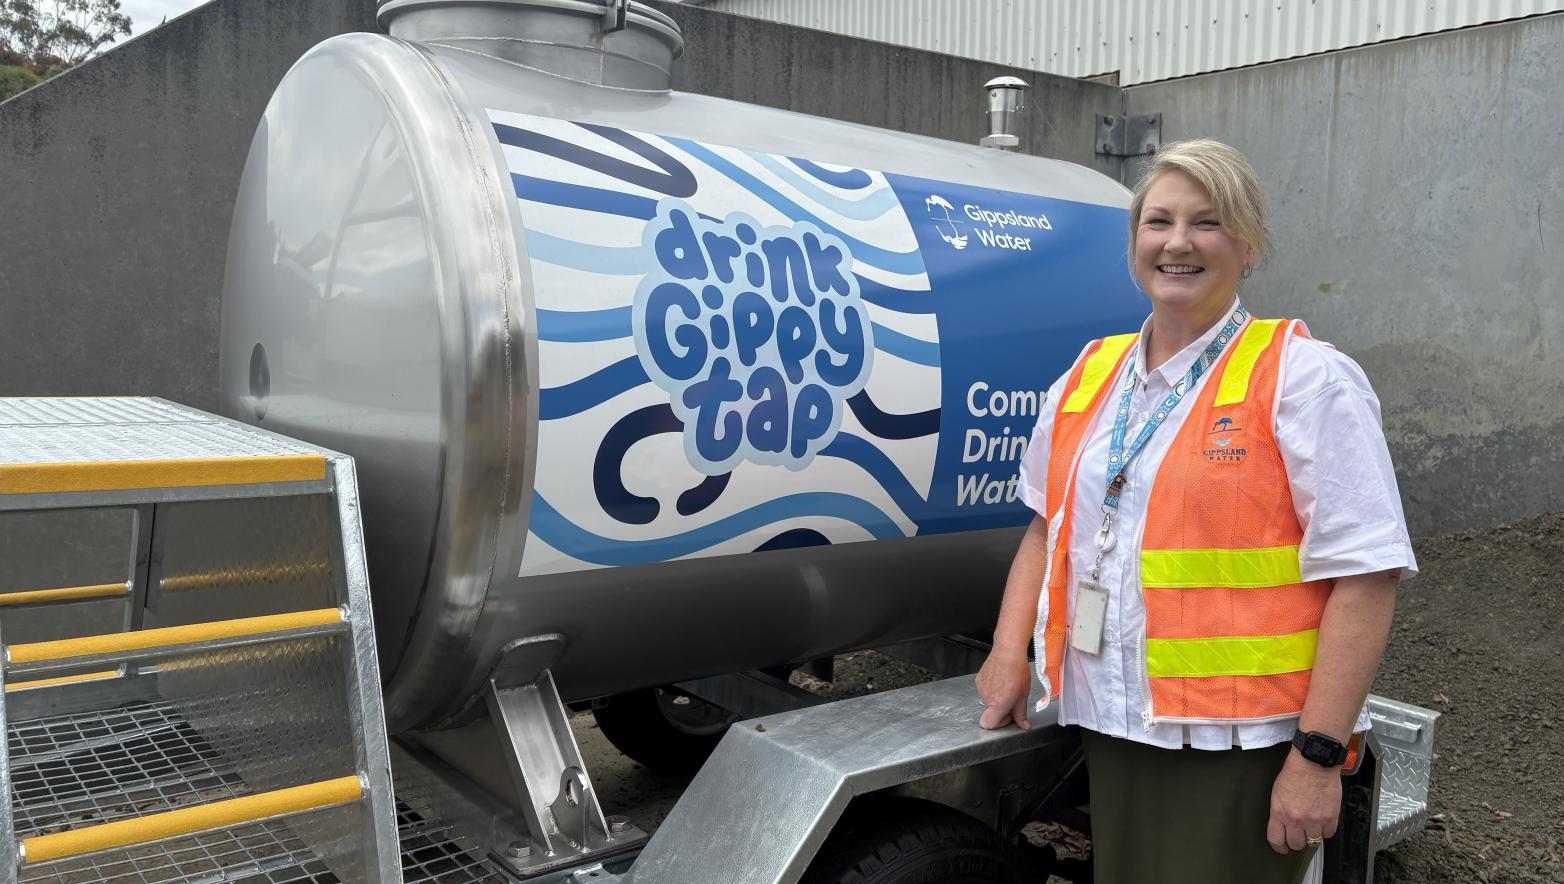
point(748, 350)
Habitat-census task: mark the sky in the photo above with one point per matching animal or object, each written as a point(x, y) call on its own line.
point(148, 14)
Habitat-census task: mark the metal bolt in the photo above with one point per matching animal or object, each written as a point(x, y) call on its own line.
point(618, 824)
point(518, 850)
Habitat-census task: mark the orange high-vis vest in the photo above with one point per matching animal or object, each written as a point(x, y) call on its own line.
point(1230, 623)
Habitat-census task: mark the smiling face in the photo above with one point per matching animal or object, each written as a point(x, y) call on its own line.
point(1188, 263)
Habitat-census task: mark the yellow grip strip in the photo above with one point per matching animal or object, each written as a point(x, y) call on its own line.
point(118, 642)
point(1234, 386)
point(120, 475)
point(64, 679)
point(189, 820)
point(64, 594)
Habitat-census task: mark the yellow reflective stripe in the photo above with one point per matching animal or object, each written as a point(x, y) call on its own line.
point(1095, 372)
point(1237, 568)
point(1234, 387)
point(1243, 655)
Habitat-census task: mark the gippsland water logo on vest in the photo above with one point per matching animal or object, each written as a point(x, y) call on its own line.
point(1219, 442)
point(757, 334)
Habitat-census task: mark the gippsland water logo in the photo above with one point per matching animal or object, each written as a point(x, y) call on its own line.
point(757, 334)
point(945, 224)
point(1220, 437)
point(997, 230)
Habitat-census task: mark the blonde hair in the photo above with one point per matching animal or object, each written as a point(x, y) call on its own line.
point(1225, 176)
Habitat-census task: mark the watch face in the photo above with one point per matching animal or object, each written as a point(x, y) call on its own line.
point(1321, 749)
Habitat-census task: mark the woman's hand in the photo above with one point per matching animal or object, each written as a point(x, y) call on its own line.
point(1003, 685)
point(1305, 804)
point(1006, 677)
point(1306, 798)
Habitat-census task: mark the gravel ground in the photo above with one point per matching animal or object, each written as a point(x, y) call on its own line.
point(1479, 636)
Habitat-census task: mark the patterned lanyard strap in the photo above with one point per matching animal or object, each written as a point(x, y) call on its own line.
point(1118, 458)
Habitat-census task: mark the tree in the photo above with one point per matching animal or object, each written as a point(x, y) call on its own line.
point(15, 78)
point(46, 37)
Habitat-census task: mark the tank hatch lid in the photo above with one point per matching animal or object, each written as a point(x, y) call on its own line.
point(617, 43)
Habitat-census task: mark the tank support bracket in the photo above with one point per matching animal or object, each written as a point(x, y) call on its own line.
point(552, 789)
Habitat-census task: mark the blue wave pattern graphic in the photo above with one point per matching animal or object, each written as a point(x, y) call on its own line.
point(906, 263)
point(867, 208)
point(851, 179)
point(818, 193)
point(591, 391)
point(559, 532)
point(862, 452)
point(604, 260)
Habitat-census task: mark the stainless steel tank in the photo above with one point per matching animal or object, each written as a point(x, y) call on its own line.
point(700, 385)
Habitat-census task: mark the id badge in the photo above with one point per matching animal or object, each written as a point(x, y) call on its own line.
point(1091, 613)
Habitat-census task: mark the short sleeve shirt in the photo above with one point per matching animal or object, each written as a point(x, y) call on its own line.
point(1343, 487)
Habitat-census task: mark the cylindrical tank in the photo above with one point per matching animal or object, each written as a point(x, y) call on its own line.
point(699, 385)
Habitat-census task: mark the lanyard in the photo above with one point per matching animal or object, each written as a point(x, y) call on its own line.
point(1119, 458)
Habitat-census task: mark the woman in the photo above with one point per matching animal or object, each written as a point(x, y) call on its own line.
point(1218, 540)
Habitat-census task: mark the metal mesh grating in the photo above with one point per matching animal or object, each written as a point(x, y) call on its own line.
point(432, 851)
point(143, 758)
point(269, 852)
point(39, 412)
point(74, 430)
point(261, 852)
point(100, 766)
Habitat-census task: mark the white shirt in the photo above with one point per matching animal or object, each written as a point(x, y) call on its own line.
point(1343, 487)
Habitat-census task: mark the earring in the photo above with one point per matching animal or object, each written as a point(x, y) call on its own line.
point(1247, 272)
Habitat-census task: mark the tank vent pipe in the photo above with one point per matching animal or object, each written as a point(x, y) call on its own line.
point(1006, 101)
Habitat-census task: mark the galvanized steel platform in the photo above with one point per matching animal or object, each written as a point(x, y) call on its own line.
point(217, 714)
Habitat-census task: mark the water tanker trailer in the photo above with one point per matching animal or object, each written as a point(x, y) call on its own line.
point(654, 397)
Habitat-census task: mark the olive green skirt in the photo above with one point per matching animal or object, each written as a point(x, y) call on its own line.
point(1171, 816)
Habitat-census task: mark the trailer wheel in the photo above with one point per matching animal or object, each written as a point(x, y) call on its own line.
point(665, 729)
point(910, 841)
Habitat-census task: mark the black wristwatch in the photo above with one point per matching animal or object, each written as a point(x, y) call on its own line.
point(1319, 748)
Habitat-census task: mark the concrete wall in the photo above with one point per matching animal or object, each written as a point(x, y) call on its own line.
point(1417, 198)
point(878, 84)
point(117, 179)
point(1415, 190)
point(117, 182)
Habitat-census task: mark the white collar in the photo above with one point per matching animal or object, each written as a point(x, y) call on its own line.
point(1178, 364)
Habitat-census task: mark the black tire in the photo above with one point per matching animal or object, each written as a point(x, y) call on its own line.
point(908, 841)
point(664, 729)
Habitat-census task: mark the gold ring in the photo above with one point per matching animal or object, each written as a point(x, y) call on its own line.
point(1312, 839)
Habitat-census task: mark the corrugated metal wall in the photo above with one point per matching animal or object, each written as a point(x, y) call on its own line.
point(1143, 40)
